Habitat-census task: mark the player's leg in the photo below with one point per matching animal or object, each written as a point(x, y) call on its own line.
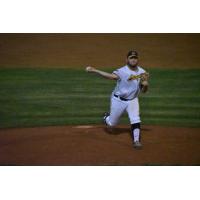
point(134, 117)
point(117, 108)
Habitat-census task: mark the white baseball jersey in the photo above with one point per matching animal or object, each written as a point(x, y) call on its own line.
point(128, 82)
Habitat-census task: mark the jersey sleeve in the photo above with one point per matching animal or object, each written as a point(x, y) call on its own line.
point(118, 73)
point(142, 70)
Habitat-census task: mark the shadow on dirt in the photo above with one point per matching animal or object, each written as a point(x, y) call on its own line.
point(118, 131)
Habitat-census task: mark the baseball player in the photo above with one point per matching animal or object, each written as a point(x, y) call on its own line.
point(131, 80)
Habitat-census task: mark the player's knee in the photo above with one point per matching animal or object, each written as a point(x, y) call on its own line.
point(110, 123)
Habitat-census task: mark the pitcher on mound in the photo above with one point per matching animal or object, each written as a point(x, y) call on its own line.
point(131, 80)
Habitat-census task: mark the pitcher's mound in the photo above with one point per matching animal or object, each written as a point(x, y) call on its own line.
point(95, 145)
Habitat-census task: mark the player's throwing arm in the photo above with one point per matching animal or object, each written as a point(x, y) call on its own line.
point(102, 73)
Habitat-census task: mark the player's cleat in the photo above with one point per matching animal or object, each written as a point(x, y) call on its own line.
point(137, 145)
point(106, 114)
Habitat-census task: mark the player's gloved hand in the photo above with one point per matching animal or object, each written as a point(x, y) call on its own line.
point(89, 69)
point(144, 81)
point(144, 77)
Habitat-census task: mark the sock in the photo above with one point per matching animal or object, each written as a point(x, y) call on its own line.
point(136, 134)
point(135, 131)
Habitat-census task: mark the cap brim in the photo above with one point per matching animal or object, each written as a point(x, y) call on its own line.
point(133, 56)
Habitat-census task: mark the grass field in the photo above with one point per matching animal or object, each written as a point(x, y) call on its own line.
point(40, 97)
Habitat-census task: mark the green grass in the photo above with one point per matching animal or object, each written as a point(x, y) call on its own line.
point(40, 97)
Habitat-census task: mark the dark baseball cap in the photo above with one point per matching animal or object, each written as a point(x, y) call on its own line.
point(132, 53)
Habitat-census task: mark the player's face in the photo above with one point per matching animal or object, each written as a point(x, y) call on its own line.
point(132, 61)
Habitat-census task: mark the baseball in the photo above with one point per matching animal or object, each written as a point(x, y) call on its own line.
point(89, 69)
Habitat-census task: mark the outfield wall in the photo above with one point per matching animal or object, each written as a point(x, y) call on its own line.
point(107, 50)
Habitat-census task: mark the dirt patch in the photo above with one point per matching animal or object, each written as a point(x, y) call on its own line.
point(99, 50)
point(72, 145)
point(84, 126)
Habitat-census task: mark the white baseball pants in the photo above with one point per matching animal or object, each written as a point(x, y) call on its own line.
point(118, 107)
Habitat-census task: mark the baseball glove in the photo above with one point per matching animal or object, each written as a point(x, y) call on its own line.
point(144, 77)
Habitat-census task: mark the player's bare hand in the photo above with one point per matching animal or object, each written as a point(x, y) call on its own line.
point(90, 69)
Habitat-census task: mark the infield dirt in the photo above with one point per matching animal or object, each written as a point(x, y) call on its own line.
point(93, 145)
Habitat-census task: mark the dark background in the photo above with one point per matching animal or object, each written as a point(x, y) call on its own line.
point(100, 50)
